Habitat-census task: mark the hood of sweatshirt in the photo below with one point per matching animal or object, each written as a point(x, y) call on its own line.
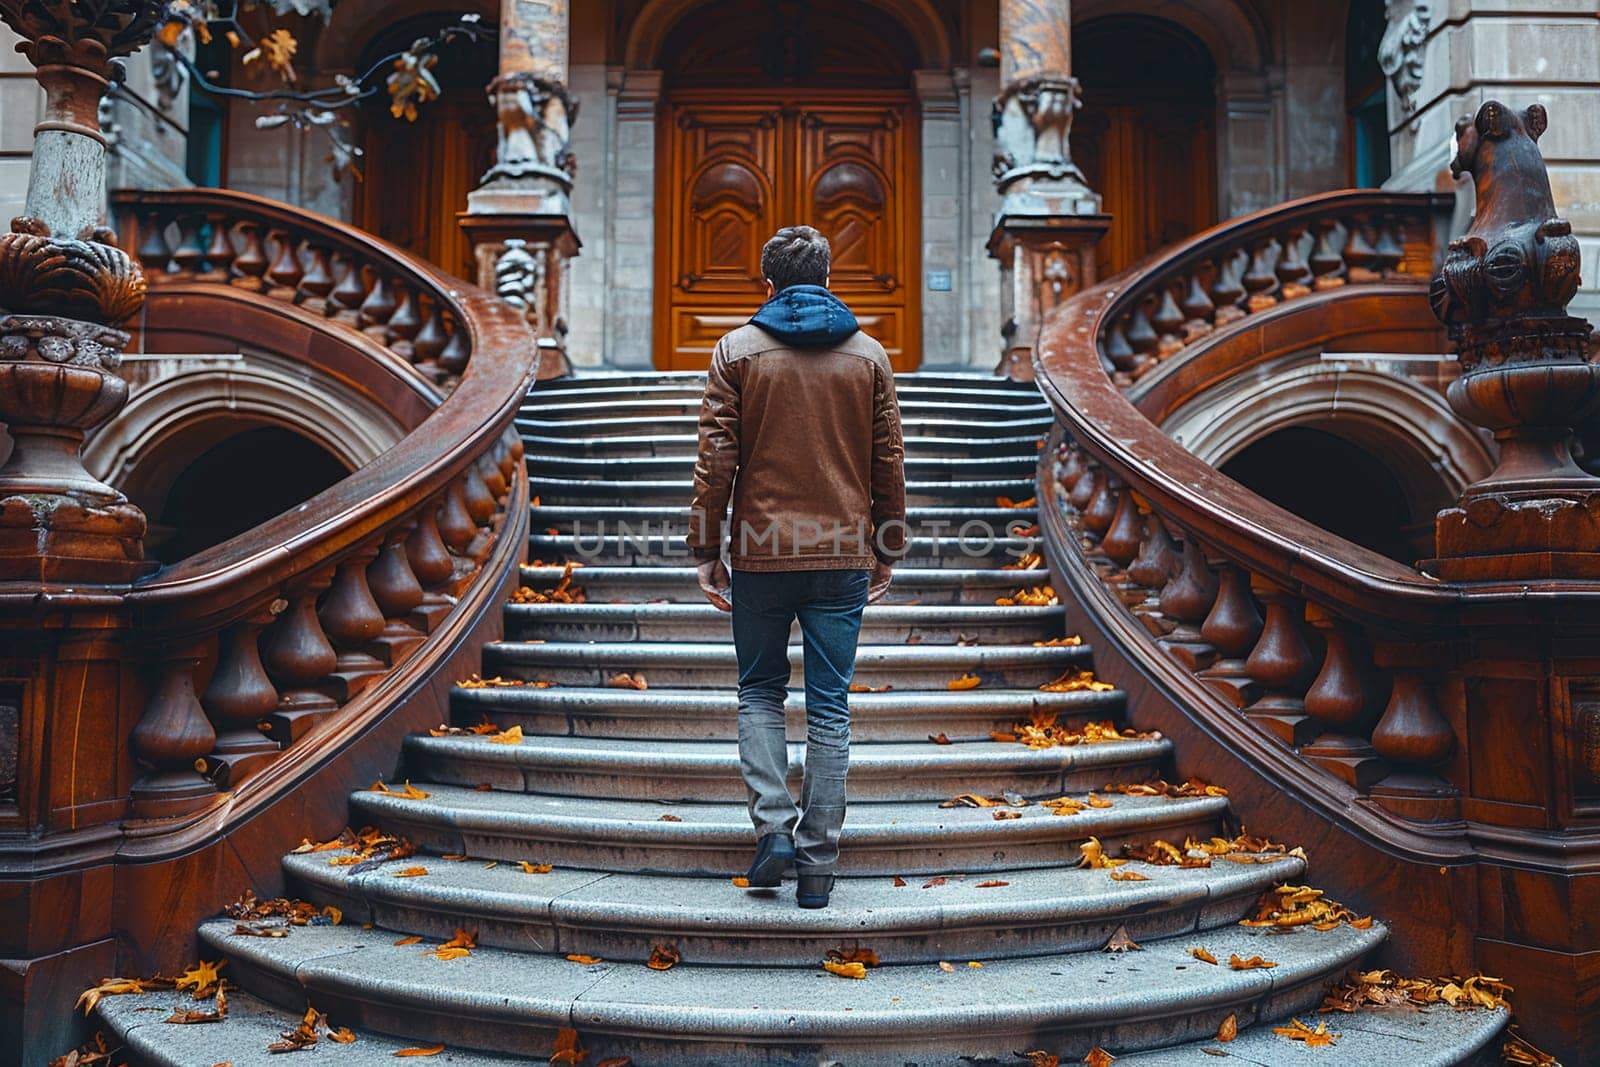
point(806, 316)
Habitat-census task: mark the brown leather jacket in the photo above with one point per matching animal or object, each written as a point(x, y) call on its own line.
point(807, 442)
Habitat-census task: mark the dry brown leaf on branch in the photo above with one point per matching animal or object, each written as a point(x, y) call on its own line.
point(429, 1050)
point(965, 681)
point(277, 50)
point(535, 868)
point(1099, 1057)
point(1321, 1037)
point(845, 970)
point(1094, 856)
point(627, 681)
point(1204, 957)
point(1121, 942)
point(1239, 963)
point(1229, 1028)
point(663, 958)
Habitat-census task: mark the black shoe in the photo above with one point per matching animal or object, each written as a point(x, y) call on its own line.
point(773, 857)
point(813, 890)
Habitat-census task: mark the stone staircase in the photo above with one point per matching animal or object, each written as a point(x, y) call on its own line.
point(990, 936)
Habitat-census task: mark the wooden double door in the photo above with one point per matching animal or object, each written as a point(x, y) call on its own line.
point(737, 165)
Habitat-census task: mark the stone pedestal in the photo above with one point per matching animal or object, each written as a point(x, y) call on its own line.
point(1043, 260)
point(526, 260)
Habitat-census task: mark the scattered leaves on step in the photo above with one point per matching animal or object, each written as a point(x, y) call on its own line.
point(412, 940)
point(1375, 989)
point(1040, 1058)
point(1155, 787)
point(262, 928)
point(741, 882)
point(1129, 876)
point(1099, 1057)
point(939, 739)
point(564, 592)
point(410, 792)
point(1096, 801)
point(627, 681)
point(1093, 856)
point(1289, 906)
point(932, 882)
point(429, 1050)
point(1027, 562)
point(473, 681)
point(1246, 848)
point(845, 970)
point(1043, 731)
point(303, 1036)
point(1299, 1031)
point(1204, 957)
point(190, 1016)
point(454, 857)
point(92, 1053)
point(1239, 963)
point(1072, 641)
point(1229, 1028)
point(1006, 813)
point(1076, 680)
point(1039, 596)
point(1166, 854)
point(578, 957)
point(948, 968)
point(1517, 1051)
point(535, 868)
point(364, 849)
point(663, 957)
point(965, 681)
point(342, 1036)
point(458, 946)
point(865, 956)
point(566, 1048)
point(201, 979)
point(993, 883)
point(1121, 942)
point(512, 736)
point(670, 818)
point(112, 987)
point(411, 872)
point(445, 730)
point(975, 965)
point(1007, 502)
point(270, 918)
point(857, 687)
point(899, 882)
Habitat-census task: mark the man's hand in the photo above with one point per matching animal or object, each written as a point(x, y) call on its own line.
point(882, 575)
point(715, 584)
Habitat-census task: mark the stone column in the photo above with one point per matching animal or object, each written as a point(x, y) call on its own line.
point(63, 287)
point(520, 218)
point(1049, 220)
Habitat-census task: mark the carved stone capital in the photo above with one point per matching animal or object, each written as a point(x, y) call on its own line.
point(536, 116)
point(1400, 53)
point(89, 36)
point(1033, 127)
point(82, 278)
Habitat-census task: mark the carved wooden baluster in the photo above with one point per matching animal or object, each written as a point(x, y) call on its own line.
point(219, 250)
point(1414, 735)
point(1340, 700)
point(456, 351)
point(1118, 351)
point(430, 342)
point(237, 700)
point(1359, 255)
point(1102, 506)
point(1388, 252)
point(1198, 307)
point(317, 282)
point(1073, 466)
point(347, 296)
point(1143, 337)
point(504, 460)
point(1227, 292)
point(1167, 320)
point(190, 254)
point(1327, 264)
point(352, 620)
point(1292, 271)
point(251, 262)
point(154, 252)
point(1084, 489)
point(1260, 280)
point(299, 658)
point(405, 323)
point(285, 271)
point(493, 480)
point(1187, 599)
point(1233, 627)
point(398, 593)
point(171, 735)
point(432, 564)
point(1152, 569)
point(475, 494)
point(514, 448)
point(1125, 535)
point(455, 524)
point(373, 315)
point(1283, 664)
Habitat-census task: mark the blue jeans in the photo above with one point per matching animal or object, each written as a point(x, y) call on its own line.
point(828, 604)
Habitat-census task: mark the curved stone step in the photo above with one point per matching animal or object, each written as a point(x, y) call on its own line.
point(906, 389)
point(994, 424)
point(912, 585)
point(924, 520)
point(514, 1002)
point(645, 545)
point(650, 441)
point(626, 491)
point(624, 916)
point(1019, 463)
point(675, 664)
point(879, 837)
point(578, 711)
point(687, 771)
point(941, 624)
point(560, 408)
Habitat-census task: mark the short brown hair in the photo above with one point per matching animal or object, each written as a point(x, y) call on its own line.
point(796, 255)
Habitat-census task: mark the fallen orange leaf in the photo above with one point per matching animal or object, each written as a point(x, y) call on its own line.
point(431, 1050)
point(845, 970)
point(965, 681)
point(536, 868)
point(411, 872)
point(1121, 942)
point(948, 968)
point(663, 958)
point(413, 940)
point(1229, 1029)
point(1238, 963)
point(1204, 957)
point(578, 957)
point(1099, 1057)
point(992, 884)
point(741, 882)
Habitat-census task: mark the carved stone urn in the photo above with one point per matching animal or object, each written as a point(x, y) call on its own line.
point(1525, 370)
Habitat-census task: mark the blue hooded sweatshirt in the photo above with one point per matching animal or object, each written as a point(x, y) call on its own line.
point(806, 316)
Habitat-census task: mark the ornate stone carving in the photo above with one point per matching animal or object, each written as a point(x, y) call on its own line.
point(1032, 128)
point(1400, 54)
point(519, 280)
point(536, 116)
point(92, 36)
point(1525, 371)
point(77, 277)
